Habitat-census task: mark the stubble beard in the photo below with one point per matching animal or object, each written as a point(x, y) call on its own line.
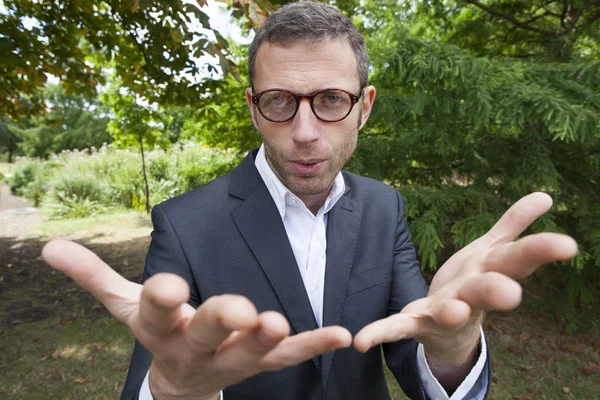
point(310, 185)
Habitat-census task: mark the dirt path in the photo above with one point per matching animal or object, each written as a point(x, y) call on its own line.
point(29, 289)
point(17, 216)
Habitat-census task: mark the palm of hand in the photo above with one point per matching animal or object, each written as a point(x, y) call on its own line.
point(478, 278)
point(196, 353)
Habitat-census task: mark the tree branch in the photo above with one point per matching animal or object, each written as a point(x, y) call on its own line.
point(594, 19)
point(510, 18)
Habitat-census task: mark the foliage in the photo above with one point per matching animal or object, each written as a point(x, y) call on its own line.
point(150, 45)
point(76, 186)
point(84, 183)
point(224, 122)
point(538, 29)
point(464, 128)
point(9, 140)
point(72, 122)
point(134, 123)
point(196, 166)
point(29, 179)
point(65, 207)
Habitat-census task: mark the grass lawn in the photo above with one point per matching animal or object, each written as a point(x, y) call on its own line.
point(57, 342)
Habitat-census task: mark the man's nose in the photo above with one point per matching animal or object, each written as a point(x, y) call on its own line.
point(305, 124)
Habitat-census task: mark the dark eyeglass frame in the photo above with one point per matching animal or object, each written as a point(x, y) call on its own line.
point(353, 98)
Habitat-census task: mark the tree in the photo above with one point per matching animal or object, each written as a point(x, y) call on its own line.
point(134, 124)
point(9, 139)
point(224, 121)
point(465, 124)
point(71, 122)
point(553, 30)
point(150, 45)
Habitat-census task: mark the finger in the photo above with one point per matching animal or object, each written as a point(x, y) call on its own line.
point(416, 319)
point(450, 313)
point(391, 329)
point(520, 259)
point(216, 318)
point(241, 352)
point(161, 304)
point(119, 295)
point(518, 218)
point(296, 349)
point(491, 291)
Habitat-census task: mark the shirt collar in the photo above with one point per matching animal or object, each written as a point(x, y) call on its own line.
point(282, 195)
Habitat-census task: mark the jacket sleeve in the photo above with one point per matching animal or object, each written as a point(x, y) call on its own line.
point(165, 254)
point(409, 285)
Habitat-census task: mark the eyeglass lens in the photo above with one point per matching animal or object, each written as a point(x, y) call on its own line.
point(330, 105)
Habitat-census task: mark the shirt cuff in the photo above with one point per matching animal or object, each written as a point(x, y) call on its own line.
point(435, 390)
point(146, 394)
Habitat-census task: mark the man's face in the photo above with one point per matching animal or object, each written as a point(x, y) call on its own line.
point(306, 153)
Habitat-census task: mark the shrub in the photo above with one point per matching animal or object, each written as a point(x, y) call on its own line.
point(83, 183)
point(30, 179)
point(63, 206)
point(82, 186)
point(24, 173)
point(198, 165)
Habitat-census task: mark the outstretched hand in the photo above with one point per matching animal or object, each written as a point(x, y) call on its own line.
point(196, 353)
point(480, 277)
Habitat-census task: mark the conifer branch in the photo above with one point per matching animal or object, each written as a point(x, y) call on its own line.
point(510, 18)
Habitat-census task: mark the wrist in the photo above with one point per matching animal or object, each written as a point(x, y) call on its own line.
point(451, 365)
point(453, 352)
point(453, 358)
point(164, 387)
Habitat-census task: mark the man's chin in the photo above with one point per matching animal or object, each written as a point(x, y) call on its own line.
point(304, 187)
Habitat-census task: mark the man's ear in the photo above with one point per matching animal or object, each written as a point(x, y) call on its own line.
point(252, 107)
point(367, 104)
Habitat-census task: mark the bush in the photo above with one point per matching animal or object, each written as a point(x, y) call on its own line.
point(30, 179)
point(77, 184)
point(198, 165)
point(23, 174)
point(82, 186)
point(62, 206)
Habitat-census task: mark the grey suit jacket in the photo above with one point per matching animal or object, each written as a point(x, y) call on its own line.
point(228, 237)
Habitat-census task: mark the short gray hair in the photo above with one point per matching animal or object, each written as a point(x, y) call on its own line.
point(310, 22)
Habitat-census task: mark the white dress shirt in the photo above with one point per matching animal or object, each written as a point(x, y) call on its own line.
point(307, 235)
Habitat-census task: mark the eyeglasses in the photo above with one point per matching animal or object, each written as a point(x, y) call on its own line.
point(329, 105)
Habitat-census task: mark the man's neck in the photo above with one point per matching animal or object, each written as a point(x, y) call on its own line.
point(314, 202)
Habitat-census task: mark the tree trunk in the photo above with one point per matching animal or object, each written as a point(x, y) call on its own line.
point(145, 176)
point(11, 146)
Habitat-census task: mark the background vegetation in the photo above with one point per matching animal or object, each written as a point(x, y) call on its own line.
point(479, 103)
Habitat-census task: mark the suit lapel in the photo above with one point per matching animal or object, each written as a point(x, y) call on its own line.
point(261, 226)
point(343, 226)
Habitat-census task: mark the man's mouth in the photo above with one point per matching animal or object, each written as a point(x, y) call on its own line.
point(306, 167)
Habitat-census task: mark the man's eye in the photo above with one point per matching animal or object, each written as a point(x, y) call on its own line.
point(277, 101)
point(333, 98)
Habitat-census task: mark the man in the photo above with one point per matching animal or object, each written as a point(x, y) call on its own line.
point(257, 284)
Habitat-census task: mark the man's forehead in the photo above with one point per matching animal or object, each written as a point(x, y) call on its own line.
point(307, 66)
